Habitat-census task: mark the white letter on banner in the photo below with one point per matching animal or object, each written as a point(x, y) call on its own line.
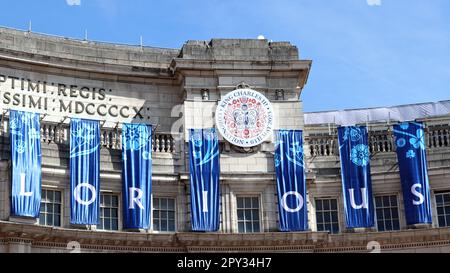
point(22, 187)
point(417, 194)
point(77, 193)
point(365, 203)
point(284, 203)
point(136, 199)
point(205, 201)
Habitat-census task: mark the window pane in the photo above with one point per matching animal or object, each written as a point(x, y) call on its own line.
point(114, 225)
point(163, 214)
point(378, 202)
point(447, 217)
point(248, 203)
point(447, 199)
point(114, 213)
point(163, 203)
point(386, 201)
point(255, 214)
point(318, 205)
point(388, 225)
point(171, 215)
point(107, 225)
point(334, 216)
point(107, 200)
point(50, 208)
point(396, 225)
point(49, 219)
point(395, 213)
point(171, 225)
point(57, 221)
point(256, 227)
point(240, 214)
point(241, 227)
point(439, 199)
point(58, 197)
point(57, 208)
point(106, 212)
point(156, 225)
point(387, 214)
point(333, 204)
point(42, 219)
point(335, 228)
point(156, 203)
point(393, 200)
point(255, 203)
point(171, 205)
point(381, 226)
point(240, 202)
point(156, 214)
point(326, 205)
point(115, 201)
point(319, 217)
point(163, 225)
point(248, 215)
point(248, 227)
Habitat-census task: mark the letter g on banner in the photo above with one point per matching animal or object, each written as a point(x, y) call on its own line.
point(298, 196)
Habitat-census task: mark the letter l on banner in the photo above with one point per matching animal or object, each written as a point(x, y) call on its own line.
point(26, 163)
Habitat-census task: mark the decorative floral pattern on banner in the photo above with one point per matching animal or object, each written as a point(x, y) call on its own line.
point(83, 139)
point(356, 180)
point(412, 162)
point(26, 161)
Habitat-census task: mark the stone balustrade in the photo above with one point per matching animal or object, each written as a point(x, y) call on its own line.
point(380, 140)
point(109, 137)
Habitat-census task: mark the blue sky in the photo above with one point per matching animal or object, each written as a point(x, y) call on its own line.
point(393, 52)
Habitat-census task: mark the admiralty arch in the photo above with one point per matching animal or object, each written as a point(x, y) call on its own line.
point(178, 89)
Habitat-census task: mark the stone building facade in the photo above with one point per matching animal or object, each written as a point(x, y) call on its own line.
point(178, 89)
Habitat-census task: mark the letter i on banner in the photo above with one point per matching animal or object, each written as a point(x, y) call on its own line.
point(204, 179)
point(356, 179)
point(136, 175)
point(26, 163)
point(412, 161)
point(291, 181)
point(84, 171)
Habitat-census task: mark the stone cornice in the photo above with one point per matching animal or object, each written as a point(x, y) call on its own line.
point(51, 238)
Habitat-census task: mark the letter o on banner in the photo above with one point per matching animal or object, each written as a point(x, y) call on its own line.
point(77, 193)
point(284, 203)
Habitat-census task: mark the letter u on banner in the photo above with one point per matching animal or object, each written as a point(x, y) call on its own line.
point(26, 163)
point(412, 160)
point(291, 181)
point(204, 179)
point(136, 175)
point(356, 180)
point(84, 171)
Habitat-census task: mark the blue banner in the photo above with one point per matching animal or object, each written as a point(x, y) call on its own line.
point(412, 160)
point(84, 171)
point(136, 175)
point(204, 178)
point(291, 181)
point(26, 163)
point(356, 180)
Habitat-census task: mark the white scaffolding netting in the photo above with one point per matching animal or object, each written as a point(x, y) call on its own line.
point(395, 113)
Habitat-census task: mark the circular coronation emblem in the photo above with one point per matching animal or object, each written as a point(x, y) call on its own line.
point(244, 117)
